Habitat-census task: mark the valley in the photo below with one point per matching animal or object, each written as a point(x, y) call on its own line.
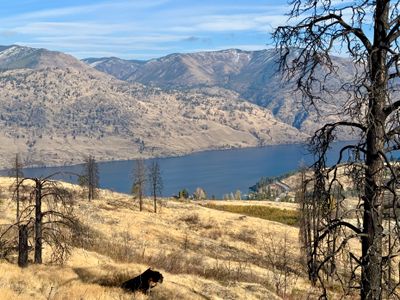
point(55, 109)
point(53, 114)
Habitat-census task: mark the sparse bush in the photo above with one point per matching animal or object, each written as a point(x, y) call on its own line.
point(210, 224)
point(176, 262)
point(186, 242)
point(232, 271)
point(87, 238)
point(192, 219)
point(221, 270)
point(284, 268)
point(246, 235)
point(214, 234)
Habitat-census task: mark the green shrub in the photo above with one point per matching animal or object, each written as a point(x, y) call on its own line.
point(284, 216)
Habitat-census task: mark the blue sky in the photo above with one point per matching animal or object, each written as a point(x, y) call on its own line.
point(139, 29)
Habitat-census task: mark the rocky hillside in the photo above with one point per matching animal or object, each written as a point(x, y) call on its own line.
point(55, 109)
point(251, 74)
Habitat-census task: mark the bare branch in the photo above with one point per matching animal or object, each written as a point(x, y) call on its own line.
point(391, 108)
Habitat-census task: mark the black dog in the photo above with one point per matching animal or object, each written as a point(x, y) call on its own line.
point(144, 282)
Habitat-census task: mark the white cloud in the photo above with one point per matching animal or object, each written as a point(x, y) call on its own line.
point(67, 28)
point(118, 27)
point(53, 45)
point(85, 9)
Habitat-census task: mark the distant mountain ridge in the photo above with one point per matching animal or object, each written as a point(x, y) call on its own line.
point(178, 70)
point(20, 57)
point(54, 109)
point(117, 67)
point(252, 74)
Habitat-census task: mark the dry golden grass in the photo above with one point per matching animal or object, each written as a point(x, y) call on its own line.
point(203, 253)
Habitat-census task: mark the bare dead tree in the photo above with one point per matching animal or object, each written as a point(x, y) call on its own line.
point(139, 181)
point(368, 32)
point(23, 229)
point(16, 171)
point(89, 179)
point(46, 217)
point(52, 214)
point(155, 181)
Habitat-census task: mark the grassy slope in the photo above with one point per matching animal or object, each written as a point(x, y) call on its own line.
point(203, 253)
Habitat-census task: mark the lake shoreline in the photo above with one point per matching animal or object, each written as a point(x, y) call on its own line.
point(35, 166)
point(218, 172)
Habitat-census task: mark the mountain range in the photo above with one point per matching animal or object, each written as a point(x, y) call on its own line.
point(55, 109)
point(254, 75)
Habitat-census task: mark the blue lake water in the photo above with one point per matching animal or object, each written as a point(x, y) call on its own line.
point(217, 172)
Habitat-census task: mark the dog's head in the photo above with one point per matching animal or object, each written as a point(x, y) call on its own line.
point(154, 277)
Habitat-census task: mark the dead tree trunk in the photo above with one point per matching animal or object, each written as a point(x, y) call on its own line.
point(371, 281)
point(139, 181)
point(155, 203)
point(155, 181)
point(373, 218)
point(89, 179)
point(38, 222)
point(17, 175)
point(23, 247)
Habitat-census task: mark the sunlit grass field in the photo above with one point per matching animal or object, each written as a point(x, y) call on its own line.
point(204, 251)
point(284, 216)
